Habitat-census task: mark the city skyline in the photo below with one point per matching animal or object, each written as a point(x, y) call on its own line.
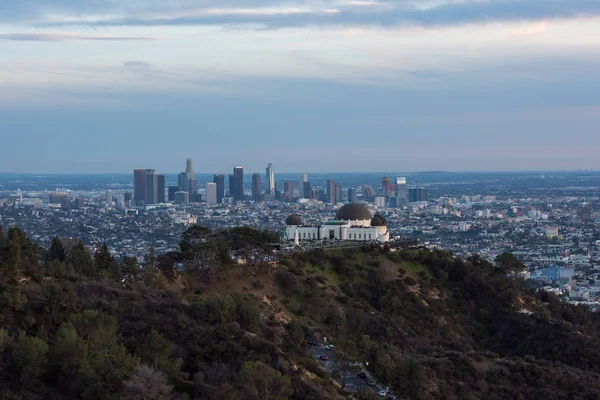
point(458, 86)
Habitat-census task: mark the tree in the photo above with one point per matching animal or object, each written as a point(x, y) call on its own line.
point(105, 263)
point(68, 358)
point(260, 381)
point(166, 265)
point(508, 262)
point(156, 352)
point(10, 269)
point(130, 267)
point(193, 238)
point(81, 260)
point(146, 383)
point(2, 240)
point(150, 259)
point(108, 359)
point(30, 356)
point(57, 251)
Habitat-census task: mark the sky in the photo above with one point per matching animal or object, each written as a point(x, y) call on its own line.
point(310, 86)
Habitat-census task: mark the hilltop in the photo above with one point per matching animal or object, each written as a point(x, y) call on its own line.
point(421, 322)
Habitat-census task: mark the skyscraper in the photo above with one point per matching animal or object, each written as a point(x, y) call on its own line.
point(270, 181)
point(417, 194)
point(401, 192)
point(211, 193)
point(109, 198)
point(236, 184)
point(352, 198)
point(307, 192)
point(338, 193)
point(219, 180)
point(385, 187)
point(288, 189)
point(172, 191)
point(331, 191)
point(161, 189)
point(151, 187)
point(139, 186)
point(302, 193)
point(256, 188)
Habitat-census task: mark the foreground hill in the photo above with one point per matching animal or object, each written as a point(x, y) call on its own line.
point(423, 323)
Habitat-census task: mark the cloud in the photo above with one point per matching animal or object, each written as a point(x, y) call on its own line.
point(531, 30)
point(137, 65)
point(310, 13)
point(63, 37)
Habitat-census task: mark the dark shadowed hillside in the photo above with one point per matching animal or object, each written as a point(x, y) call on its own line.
point(84, 325)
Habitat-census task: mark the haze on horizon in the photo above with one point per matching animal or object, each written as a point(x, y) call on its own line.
point(323, 85)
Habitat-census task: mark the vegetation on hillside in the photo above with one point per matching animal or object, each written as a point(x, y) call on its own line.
point(81, 324)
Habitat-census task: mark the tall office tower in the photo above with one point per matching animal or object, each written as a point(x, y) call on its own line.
point(211, 193)
point(236, 184)
point(330, 192)
point(128, 197)
point(172, 191)
point(151, 187)
point(271, 180)
point(417, 194)
point(109, 198)
point(182, 197)
point(302, 193)
point(401, 191)
point(368, 193)
point(160, 198)
point(256, 188)
point(189, 169)
point(65, 203)
point(385, 187)
point(57, 197)
point(139, 186)
point(288, 189)
point(338, 193)
point(181, 180)
point(219, 180)
point(307, 192)
point(352, 197)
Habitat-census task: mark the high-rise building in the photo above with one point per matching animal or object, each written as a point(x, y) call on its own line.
point(417, 194)
point(109, 198)
point(211, 193)
point(338, 193)
point(65, 203)
point(160, 189)
point(219, 180)
point(401, 191)
point(330, 192)
point(385, 187)
point(57, 197)
point(288, 189)
point(182, 197)
point(236, 184)
point(302, 193)
point(368, 193)
point(128, 198)
point(307, 192)
point(151, 187)
point(139, 186)
point(182, 181)
point(352, 197)
point(256, 188)
point(172, 191)
point(270, 181)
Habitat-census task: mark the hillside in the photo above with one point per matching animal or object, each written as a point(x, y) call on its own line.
point(423, 323)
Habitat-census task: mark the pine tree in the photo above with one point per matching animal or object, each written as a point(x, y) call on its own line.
point(57, 251)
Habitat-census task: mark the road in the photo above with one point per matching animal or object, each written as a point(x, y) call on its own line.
point(353, 382)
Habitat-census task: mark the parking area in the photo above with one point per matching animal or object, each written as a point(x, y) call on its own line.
point(353, 382)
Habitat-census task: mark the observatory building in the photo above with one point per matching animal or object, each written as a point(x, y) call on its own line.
point(352, 222)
